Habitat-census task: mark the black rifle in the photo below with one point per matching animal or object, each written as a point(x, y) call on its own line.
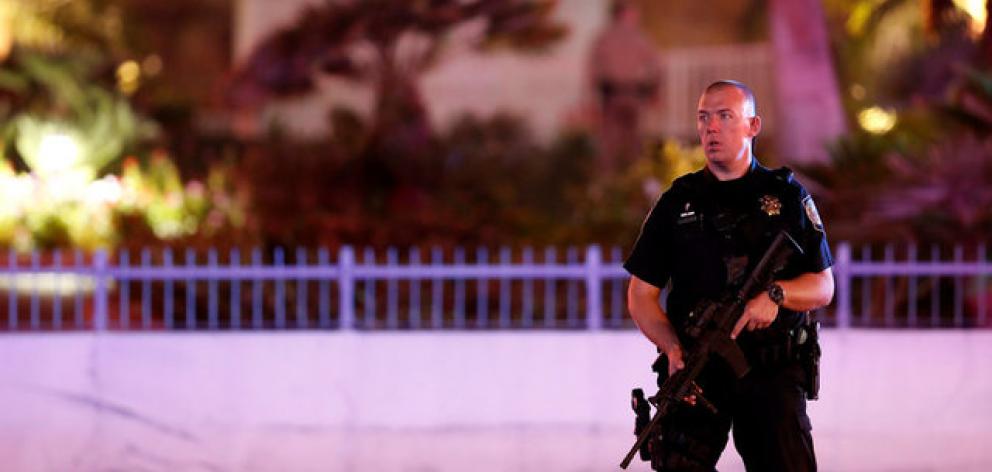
point(708, 330)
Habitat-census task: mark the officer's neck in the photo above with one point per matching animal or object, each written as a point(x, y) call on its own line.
point(732, 170)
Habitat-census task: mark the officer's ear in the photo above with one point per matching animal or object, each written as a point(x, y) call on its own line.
point(755, 125)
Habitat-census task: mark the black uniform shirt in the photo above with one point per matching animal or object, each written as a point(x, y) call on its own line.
point(705, 235)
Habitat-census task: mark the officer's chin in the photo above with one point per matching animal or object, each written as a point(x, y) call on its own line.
point(716, 157)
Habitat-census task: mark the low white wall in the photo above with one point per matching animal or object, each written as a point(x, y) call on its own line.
point(446, 401)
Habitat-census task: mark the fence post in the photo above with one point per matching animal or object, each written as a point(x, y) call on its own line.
point(346, 287)
point(100, 290)
point(594, 288)
point(843, 274)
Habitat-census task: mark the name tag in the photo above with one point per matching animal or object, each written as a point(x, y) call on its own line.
point(688, 215)
point(687, 218)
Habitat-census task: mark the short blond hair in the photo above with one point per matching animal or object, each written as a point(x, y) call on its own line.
point(750, 104)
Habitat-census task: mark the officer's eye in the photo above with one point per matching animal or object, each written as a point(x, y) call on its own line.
point(726, 116)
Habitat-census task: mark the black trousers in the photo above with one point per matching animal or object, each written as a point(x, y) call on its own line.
point(766, 410)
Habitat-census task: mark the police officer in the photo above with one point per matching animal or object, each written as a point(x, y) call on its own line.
point(704, 235)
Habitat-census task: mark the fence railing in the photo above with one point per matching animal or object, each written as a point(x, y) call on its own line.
point(391, 289)
point(435, 289)
point(893, 286)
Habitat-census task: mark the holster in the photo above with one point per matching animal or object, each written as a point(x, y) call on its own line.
point(660, 367)
point(800, 344)
point(809, 355)
point(642, 416)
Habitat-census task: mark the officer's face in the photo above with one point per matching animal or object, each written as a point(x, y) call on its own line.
point(726, 125)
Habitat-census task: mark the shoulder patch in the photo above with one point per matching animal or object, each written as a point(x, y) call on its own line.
point(812, 214)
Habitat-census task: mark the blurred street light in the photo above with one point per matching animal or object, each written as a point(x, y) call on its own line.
point(57, 153)
point(877, 120)
point(128, 77)
point(976, 11)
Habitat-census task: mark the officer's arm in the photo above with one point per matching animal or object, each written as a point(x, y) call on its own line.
point(651, 319)
point(809, 291)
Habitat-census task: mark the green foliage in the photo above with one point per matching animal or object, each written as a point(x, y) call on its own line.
point(923, 179)
point(487, 181)
point(971, 100)
point(64, 130)
point(58, 26)
point(927, 179)
point(158, 206)
point(388, 45)
point(505, 186)
point(63, 95)
point(324, 39)
point(870, 39)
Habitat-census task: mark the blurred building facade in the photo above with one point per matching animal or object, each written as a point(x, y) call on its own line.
point(777, 49)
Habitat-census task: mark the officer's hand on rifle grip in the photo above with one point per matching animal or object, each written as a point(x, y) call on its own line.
point(674, 354)
point(759, 313)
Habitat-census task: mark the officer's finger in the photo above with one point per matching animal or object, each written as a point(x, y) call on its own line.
point(741, 323)
point(675, 363)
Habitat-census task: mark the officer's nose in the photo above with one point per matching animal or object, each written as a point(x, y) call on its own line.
point(712, 126)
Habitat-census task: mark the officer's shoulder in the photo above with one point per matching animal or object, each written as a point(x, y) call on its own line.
point(785, 175)
point(688, 183)
point(784, 178)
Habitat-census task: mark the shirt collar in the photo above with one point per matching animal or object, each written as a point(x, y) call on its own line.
point(750, 171)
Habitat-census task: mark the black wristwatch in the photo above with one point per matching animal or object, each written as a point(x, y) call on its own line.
point(776, 293)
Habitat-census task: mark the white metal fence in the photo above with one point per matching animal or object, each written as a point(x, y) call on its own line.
point(442, 289)
point(560, 289)
point(902, 286)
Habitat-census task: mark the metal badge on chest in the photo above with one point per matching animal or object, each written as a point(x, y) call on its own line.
point(770, 205)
